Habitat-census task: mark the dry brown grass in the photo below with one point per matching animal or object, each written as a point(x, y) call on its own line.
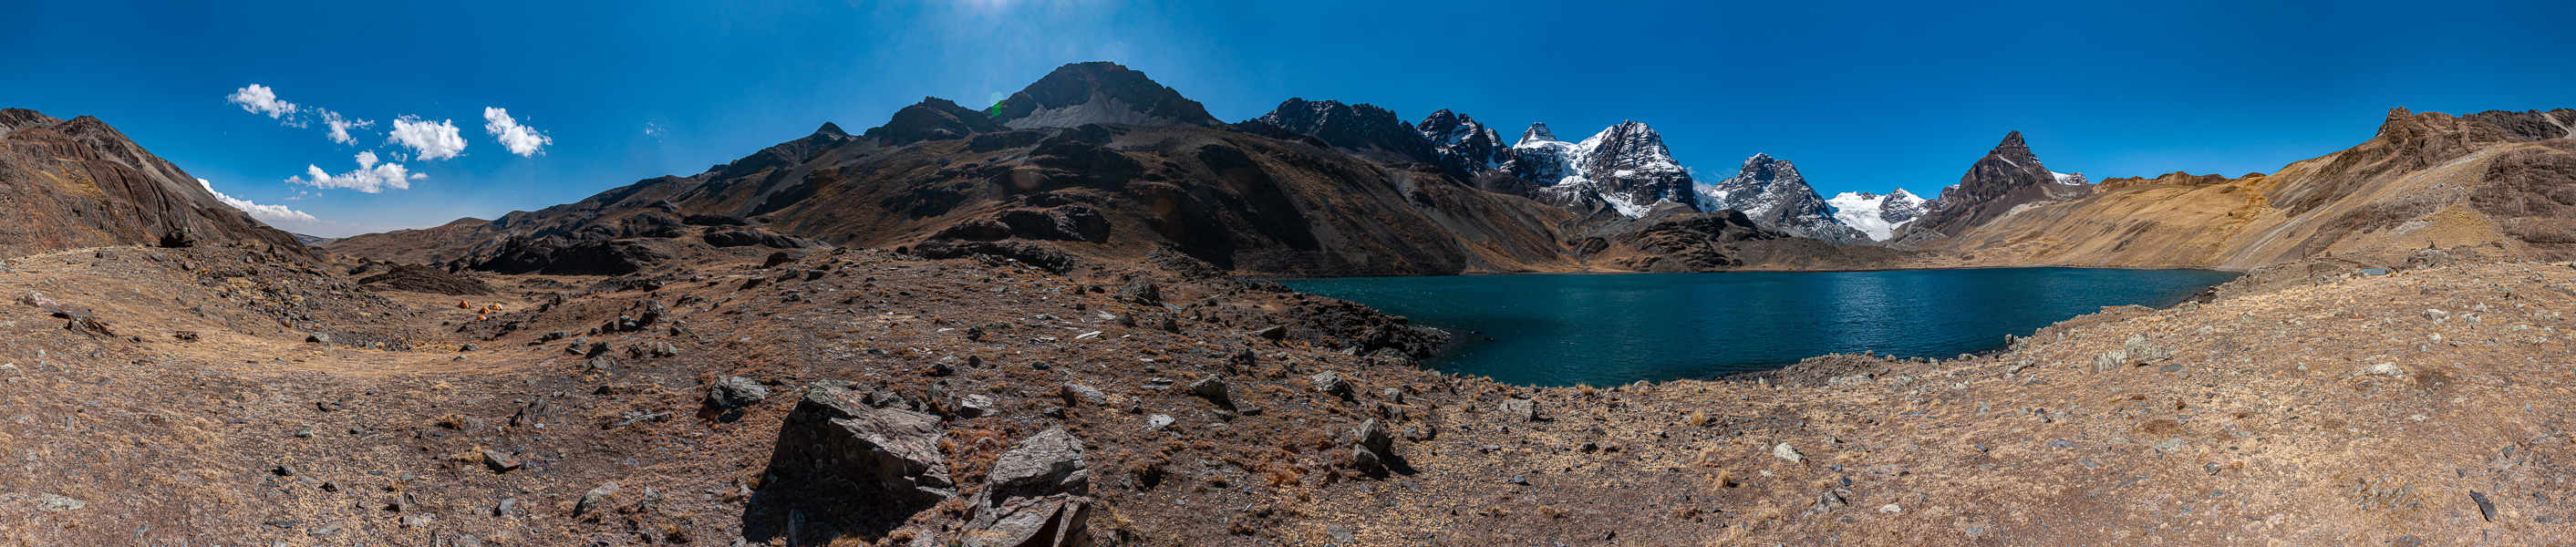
point(1697, 419)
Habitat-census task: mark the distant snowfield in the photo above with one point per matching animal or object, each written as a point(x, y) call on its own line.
point(1865, 212)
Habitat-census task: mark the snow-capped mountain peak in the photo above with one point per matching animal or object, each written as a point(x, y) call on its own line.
point(1772, 193)
point(1536, 133)
point(2069, 178)
point(1625, 166)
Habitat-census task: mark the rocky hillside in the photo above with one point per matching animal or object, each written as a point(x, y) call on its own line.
point(2501, 181)
point(2008, 178)
point(79, 183)
point(1261, 202)
point(1772, 193)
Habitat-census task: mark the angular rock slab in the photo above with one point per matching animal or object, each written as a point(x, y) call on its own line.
point(1034, 497)
point(834, 436)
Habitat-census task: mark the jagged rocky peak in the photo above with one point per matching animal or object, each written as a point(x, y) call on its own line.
point(18, 119)
point(2008, 177)
point(1351, 126)
point(1463, 144)
point(1536, 133)
point(932, 119)
point(1625, 166)
point(1877, 215)
point(1099, 92)
point(1772, 193)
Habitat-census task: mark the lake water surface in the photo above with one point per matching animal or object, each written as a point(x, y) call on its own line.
point(1609, 329)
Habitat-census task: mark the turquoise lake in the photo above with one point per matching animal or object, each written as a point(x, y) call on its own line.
point(1610, 329)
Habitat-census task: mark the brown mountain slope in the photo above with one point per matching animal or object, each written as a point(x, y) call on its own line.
point(1241, 202)
point(1085, 178)
point(2426, 180)
point(80, 183)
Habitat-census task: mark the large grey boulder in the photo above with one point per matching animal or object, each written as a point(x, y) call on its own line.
point(1035, 496)
point(834, 437)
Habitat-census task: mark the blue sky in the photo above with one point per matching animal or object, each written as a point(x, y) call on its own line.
point(1861, 95)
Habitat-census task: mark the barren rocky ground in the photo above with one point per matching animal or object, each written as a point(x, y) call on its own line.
point(222, 396)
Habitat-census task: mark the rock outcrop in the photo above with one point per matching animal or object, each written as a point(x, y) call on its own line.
point(835, 441)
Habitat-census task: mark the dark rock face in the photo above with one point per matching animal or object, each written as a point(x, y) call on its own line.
point(2009, 176)
point(1360, 127)
point(1774, 195)
point(419, 278)
point(746, 238)
point(1099, 92)
point(932, 119)
point(1464, 146)
point(80, 183)
point(557, 256)
point(2531, 125)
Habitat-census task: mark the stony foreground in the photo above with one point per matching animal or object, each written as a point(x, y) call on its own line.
point(217, 396)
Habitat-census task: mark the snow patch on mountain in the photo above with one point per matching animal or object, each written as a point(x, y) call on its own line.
point(2069, 178)
point(1877, 215)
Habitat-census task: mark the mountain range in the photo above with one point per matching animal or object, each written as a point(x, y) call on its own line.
point(1097, 161)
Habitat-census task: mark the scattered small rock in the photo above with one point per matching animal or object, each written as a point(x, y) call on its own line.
point(1078, 393)
point(1331, 383)
point(1213, 387)
point(1786, 452)
point(736, 392)
point(51, 503)
point(974, 406)
point(1521, 409)
point(595, 499)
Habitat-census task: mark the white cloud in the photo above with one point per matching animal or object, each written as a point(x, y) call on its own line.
point(429, 140)
point(265, 213)
point(520, 139)
point(371, 176)
point(260, 99)
point(340, 126)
